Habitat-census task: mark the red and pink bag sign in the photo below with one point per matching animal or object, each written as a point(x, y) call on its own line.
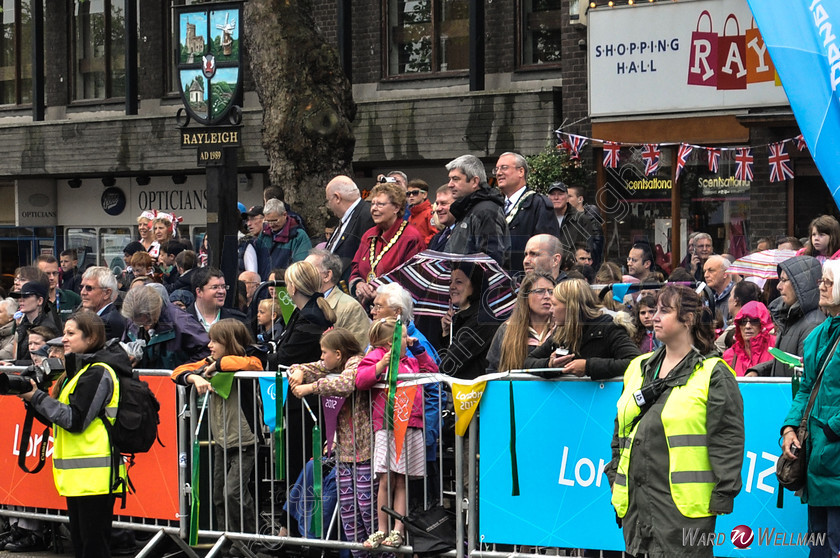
point(730, 60)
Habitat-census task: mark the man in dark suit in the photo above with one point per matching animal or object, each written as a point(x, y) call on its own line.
point(345, 201)
point(99, 291)
point(527, 213)
point(210, 291)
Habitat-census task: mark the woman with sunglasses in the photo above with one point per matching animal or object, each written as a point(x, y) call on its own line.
point(753, 339)
point(528, 327)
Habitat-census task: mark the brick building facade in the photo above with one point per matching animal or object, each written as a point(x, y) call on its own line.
point(411, 77)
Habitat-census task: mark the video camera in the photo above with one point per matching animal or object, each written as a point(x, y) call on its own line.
point(43, 374)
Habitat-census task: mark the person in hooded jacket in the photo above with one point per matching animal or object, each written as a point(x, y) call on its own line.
point(821, 357)
point(796, 312)
point(753, 339)
point(172, 336)
point(480, 224)
point(76, 409)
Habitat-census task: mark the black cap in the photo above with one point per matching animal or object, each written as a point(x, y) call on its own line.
point(558, 186)
point(253, 212)
point(31, 288)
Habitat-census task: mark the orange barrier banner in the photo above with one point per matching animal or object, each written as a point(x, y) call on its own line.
point(154, 474)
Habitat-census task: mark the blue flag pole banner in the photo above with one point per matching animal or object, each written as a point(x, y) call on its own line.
point(801, 36)
point(564, 496)
point(267, 390)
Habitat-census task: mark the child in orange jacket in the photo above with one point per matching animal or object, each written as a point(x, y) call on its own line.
point(231, 422)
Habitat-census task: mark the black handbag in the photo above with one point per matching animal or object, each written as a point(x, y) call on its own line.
point(792, 473)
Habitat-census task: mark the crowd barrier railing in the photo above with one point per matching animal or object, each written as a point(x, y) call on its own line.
point(200, 484)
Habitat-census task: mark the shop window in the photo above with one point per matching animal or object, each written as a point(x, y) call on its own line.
point(16, 53)
point(638, 207)
point(99, 47)
point(427, 36)
point(540, 38)
point(83, 240)
point(112, 240)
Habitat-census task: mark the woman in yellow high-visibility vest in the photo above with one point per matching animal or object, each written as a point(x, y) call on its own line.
point(82, 399)
point(679, 439)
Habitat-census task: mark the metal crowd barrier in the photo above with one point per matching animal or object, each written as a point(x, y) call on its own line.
point(260, 528)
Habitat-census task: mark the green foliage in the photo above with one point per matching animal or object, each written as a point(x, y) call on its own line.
point(552, 165)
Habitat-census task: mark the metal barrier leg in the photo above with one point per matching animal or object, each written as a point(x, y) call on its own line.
point(459, 496)
point(160, 536)
point(472, 503)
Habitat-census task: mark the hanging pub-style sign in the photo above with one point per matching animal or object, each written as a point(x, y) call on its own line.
point(208, 59)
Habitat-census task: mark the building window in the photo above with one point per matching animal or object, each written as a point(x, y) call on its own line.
point(540, 32)
point(99, 46)
point(428, 36)
point(16, 53)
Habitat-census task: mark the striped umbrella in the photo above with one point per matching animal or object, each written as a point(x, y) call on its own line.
point(426, 276)
point(761, 264)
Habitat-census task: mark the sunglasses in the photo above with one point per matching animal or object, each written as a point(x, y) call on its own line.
point(413, 192)
point(752, 321)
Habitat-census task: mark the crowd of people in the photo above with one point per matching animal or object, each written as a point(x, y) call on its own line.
point(678, 336)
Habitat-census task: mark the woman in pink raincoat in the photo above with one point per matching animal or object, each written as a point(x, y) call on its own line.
point(753, 338)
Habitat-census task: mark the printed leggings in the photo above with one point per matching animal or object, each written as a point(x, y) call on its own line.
point(356, 493)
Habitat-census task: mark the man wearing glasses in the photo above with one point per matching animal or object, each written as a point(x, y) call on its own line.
point(210, 290)
point(527, 213)
point(420, 209)
point(99, 291)
point(283, 240)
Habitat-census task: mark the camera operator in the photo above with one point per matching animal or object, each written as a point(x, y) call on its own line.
point(76, 409)
point(682, 415)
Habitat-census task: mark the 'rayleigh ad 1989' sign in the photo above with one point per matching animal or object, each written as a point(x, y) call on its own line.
point(682, 56)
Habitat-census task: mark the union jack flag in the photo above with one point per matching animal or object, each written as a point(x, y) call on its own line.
point(779, 162)
point(650, 154)
point(714, 158)
point(744, 163)
point(682, 157)
point(800, 143)
point(573, 145)
point(611, 150)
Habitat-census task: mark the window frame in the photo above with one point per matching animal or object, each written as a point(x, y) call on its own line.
point(435, 31)
point(521, 35)
point(18, 64)
point(108, 45)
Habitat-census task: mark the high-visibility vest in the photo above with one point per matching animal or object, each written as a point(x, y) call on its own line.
point(82, 461)
point(690, 474)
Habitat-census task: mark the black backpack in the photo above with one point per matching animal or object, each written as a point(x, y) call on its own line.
point(135, 428)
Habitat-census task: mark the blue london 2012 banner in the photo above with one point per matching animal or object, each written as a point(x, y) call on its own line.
point(803, 37)
point(563, 434)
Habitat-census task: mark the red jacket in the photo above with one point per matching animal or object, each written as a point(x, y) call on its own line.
point(421, 219)
point(736, 355)
point(409, 243)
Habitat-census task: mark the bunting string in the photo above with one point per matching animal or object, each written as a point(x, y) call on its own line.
point(778, 159)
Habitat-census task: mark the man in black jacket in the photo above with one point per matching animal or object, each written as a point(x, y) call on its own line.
point(480, 224)
point(346, 203)
point(527, 213)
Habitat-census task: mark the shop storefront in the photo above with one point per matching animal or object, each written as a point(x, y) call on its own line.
point(687, 73)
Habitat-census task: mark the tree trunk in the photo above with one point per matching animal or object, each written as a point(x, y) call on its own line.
point(307, 103)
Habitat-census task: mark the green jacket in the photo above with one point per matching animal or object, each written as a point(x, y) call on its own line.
point(68, 301)
point(823, 485)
